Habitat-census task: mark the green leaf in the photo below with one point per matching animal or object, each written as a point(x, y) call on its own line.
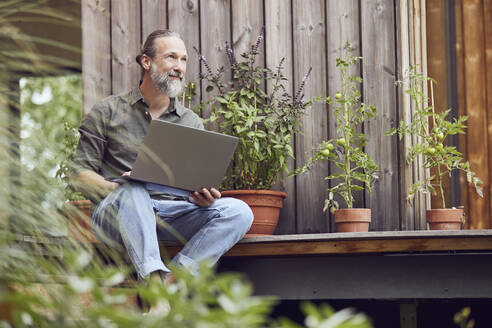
point(256, 145)
point(391, 132)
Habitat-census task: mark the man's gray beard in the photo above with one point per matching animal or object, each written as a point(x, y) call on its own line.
point(170, 88)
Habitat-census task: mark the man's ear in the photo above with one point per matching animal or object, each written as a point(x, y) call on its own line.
point(146, 62)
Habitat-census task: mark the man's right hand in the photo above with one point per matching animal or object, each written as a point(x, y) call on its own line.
point(94, 185)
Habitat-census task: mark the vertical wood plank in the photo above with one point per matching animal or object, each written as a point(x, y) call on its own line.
point(412, 140)
point(125, 43)
point(422, 201)
point(378, 50)
point(343, 24)
point(154, 16)
point(309, 43)
point(437, 68)
point(247, 22)
point(460, 76)
point(474, 54)
point(213, 37)
point(96, 52)
point(407, 210)
point(423, 37)
point(184, 19)
point(278, 45)
point(488, 59)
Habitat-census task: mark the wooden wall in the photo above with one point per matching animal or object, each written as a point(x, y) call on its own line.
point(460, 59)
point(306, 32)
point(475, 62)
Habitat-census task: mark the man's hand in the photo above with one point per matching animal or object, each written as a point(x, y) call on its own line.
point(93, 185)
point(204, 198)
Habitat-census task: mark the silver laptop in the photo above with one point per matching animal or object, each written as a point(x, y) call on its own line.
point(181, 157)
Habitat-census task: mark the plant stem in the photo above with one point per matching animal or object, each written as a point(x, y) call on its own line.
point(439, 181)
point(439, 174)
point(432, 100)
point(347, 145)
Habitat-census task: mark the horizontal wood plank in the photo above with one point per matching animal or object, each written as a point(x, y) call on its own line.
point(361, 246)
point(337, 243)
point(356, 243)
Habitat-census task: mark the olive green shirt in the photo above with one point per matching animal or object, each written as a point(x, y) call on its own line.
point(112, 132)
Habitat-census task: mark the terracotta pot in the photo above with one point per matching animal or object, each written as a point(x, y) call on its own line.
point(353, 219)
point(265, 204)
point(78, 213)
point(445, 218)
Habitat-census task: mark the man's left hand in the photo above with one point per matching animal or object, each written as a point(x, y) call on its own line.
point(205, 197)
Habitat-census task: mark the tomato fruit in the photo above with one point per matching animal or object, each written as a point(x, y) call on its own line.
point(341, 141)
point(430, 150)
point(329, 146)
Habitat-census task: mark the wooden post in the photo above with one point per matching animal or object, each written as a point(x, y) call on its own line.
point(408, 314)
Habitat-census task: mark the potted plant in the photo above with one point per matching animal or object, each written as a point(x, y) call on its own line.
point(77, 208)
point(444, 159)
point(264, 121)
point(356, 170)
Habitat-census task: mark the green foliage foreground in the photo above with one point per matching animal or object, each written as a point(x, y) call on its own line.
point(88, 298)
point(50, 280)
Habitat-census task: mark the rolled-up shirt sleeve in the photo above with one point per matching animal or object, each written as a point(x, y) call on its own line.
point(93, 138)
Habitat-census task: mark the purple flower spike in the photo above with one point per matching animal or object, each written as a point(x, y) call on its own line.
point(258, 40)
point(204, 61)
point(230, 54)
point(298, 93)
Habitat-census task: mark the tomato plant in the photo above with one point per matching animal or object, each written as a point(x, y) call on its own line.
point(444, 159)
point(357, 170)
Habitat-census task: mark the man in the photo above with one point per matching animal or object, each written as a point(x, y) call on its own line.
point(128, 213)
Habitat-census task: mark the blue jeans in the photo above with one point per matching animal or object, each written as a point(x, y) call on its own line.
point(130, 217)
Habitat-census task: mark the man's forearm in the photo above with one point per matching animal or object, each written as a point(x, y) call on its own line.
point(92, 184)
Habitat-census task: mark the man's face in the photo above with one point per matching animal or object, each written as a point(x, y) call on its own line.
point(169, 66)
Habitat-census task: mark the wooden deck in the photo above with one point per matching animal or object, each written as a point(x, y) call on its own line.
point(375, 265)
point(397, 265)
point(360, 242)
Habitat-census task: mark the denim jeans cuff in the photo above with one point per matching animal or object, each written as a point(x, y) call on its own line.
point(148, 267)
point(184, 261)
